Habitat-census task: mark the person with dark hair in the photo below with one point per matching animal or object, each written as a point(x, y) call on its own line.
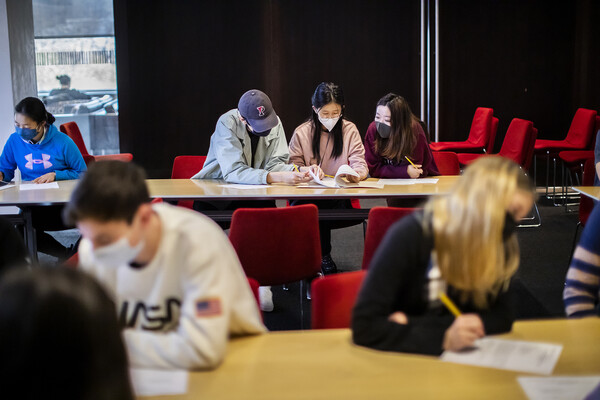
point(13, 252)
point(60, 338)
point(249, 146)
point(65, 92)
point(43, 154)
point(179, 287)
point(328, 140)
point(395, 135)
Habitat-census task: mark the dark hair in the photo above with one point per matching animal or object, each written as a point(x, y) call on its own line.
point(64, 79)
point(324, 94)
point(403, 138)
point(34, 108)
point(59, 337)
point(109, 191)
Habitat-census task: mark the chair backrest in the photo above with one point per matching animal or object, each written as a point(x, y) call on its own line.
point(582, 128)
point(254, 287)
point(184, 167)
point(517, 141)
point(489, 149)
point(380, 220)
point(277, 245)
point(125, 157)
point(481, 127)
point(333, 298)
point(586, 205)
point(447, 162)
point(531, 149)
point(72, 131)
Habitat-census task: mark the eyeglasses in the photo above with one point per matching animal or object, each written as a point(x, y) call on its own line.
point(335, 114)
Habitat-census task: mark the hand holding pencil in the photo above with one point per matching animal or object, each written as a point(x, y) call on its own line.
point(413, 170)
point(465, 329)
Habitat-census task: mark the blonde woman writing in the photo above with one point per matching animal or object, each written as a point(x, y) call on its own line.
point(462, 244)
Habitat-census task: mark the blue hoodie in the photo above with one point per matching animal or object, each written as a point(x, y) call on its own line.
point(56, 153)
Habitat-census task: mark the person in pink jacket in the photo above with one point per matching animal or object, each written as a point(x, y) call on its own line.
point(396, 134)
point(328, 140)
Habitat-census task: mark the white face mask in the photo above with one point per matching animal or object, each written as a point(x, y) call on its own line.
point(117, 253)
point(329, 123)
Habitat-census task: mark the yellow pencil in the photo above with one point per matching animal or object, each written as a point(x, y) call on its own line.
point(296, 167)
point(329, 176)
point(411, 163)
point(449, 305)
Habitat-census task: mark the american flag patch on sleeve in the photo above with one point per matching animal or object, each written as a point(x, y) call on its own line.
point(208, 307)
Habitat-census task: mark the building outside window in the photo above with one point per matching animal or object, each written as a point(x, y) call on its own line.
point(76, 67)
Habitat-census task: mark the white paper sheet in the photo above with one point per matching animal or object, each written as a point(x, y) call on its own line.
point(6, 186)
point(38, 186)
point(401, 182)
point(558, 387)
point(242, 186)
point(151, 382)
point(339, 182)
point(514, 355)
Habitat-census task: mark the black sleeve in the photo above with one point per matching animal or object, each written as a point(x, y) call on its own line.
point(501, 314)
point(395, 282)
point(13, 252)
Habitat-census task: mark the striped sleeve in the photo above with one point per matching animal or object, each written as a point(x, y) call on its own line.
point(582, 285)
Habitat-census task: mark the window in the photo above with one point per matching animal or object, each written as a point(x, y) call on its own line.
point(76, 67)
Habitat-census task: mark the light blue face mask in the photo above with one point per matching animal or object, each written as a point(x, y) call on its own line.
point(26, 133)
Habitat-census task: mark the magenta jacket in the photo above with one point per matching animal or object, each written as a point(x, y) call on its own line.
point(381, 167)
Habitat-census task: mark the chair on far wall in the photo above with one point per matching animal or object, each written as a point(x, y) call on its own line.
point(333, 298)
point(578, 137)
point(72, 130)
point(447, 162)
point(184, 167)
point(515, 147)
point(380, 220)
point(278, 246)
point(479, 135)
point(586, 204)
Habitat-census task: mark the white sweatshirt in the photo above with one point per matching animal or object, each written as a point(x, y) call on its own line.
point(180, 309)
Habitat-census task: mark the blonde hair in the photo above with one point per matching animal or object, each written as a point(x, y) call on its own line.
point(467, 229)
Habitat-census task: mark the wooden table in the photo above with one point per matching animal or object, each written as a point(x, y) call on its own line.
point(212, 190)
point(590, 191)
point(326, 365)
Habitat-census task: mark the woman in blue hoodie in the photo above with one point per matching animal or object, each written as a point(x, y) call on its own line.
point(43, 154)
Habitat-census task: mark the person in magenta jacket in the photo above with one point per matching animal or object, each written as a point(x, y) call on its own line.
point(396, 134)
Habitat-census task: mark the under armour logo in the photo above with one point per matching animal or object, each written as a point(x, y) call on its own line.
point(261, 111)
point(45, 160)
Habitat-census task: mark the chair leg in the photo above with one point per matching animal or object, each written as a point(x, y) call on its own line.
point(535, 217)
point(302, 295)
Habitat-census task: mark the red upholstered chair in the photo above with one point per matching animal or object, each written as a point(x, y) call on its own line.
point(72, 130)
point(333, 298)
point(578, 137)
point(380, 220)
point(479, 135)
point(447, 162)
point(516, 144)
point(574, 160)
point(586, 204)
point(184, 167)
point(531, 147)
point(254, 287)
point(277, 246)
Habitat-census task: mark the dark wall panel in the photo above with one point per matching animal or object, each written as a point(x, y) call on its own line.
point(181, 64)
point(526, 59)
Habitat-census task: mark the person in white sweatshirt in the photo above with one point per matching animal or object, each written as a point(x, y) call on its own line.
point(178, 285)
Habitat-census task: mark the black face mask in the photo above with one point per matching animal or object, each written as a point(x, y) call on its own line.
point(510, 226)
point(383, 130)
